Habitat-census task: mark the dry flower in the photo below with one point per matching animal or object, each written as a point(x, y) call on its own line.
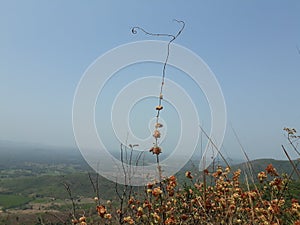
point(101, 210)
point(150, 185)
point(156, 134)
point(156, 191)
point(262, 176)
point(159, 107)
point(170, 221)
point(158, 125)
point(128, 220)
point(74, 221)
point(155, 150)
point(271, 170)
point(82, 219)
point(107, 216)
point(188, 174)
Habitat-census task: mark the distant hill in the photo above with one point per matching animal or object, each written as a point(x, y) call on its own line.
point(258, 165)
point(15, 155)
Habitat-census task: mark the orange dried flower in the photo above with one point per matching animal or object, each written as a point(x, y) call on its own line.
point(107, 216)
point(271, 170)
point(74, 221)
point(158, 125)
point(206, 171)
point(188, 174)
point(172, 178)
point(156, 191)
point(147, 204)
point(130, 201)
point(156, 134)
point(159, 107)
point(140, 211)
point(155, 150)
point(82, 219)
point(261, 176)
point(170, 221)
point(128, 220)
point(150, 185)
point(297, 222)
point(101, 210)
point(156, 217)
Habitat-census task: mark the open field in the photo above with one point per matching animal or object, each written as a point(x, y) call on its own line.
point(11, 201)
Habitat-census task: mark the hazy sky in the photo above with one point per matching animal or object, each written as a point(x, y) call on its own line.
point(251, 46)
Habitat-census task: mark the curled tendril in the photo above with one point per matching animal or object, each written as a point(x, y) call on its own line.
point(134, 30)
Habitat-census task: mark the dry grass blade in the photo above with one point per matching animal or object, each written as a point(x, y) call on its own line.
point(292, 163)
point(214, 145)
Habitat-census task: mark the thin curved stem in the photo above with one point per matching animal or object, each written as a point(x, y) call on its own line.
point(134, 30)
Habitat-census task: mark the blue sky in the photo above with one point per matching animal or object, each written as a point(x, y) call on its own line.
point(251, 46)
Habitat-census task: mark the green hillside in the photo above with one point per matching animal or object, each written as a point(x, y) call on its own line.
point(258, 165)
